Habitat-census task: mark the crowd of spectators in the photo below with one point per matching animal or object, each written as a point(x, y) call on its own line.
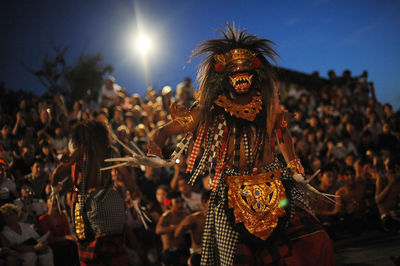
point(338, 127)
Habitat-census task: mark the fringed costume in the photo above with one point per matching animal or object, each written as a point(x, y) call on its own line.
point(259, 212)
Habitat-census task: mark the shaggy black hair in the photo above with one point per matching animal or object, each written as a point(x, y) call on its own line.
point(209, 79)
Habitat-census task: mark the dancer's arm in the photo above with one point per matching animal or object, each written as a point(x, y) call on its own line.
point(63, 169)
point(286, 145)
point(184, 121)
point(285, 141)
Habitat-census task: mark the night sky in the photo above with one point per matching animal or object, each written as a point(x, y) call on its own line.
point(317, 35)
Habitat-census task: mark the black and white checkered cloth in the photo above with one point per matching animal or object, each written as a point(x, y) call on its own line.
point(219, 238)
point(105, 210)
point(182, 146)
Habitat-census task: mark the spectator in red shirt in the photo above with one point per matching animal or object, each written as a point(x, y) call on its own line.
point(60, 239)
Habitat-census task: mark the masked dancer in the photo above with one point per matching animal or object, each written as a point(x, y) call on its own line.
point(259, 210)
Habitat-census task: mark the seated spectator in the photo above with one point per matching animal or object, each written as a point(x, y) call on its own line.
point(161, 204)
point(37, 178)
point(5, 154)
point(47, 125)
point(102, 115)
point(108, 92)
point(130, 124)
point(179, 170)
point(194, 224)
point(61, 240)
point(8, 189)
point(296, 91)
point(334, 152)
point(5, 137)
point(59, 142)
point(346, 145)
point(141, 133)
point(24, 239)
point(136, 100)
point(192, 199)
point(387, 141)
point(20, 124)
point(327, 182)
point(387, 111)
point(48, 156)
point(175, 251)
point(373, 126)
point(87, 115)
point(349, 160)
point(166, 98)
point(118, 118)
point(8, 257)
point(76, 112)
point(31, 208)
point(387, 196)
point(22, 165)
point(184, 92)
point(350, 206)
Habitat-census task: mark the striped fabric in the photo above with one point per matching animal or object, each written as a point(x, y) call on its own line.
point(215, 146)
point(196, 149)
point(221, 160)
point(201, 165)
point(236, 152)
point(247, 150)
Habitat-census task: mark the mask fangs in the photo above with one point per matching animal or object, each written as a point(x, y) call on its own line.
point(241, 82)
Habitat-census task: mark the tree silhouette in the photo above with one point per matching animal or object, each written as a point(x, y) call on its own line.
point(71, 80)
point(87, 74)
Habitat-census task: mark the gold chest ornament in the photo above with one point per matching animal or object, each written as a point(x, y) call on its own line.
point(257, 201)
point(245, 111)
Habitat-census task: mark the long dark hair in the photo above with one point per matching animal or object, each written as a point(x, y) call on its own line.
point(233, 38)
point(92, 139)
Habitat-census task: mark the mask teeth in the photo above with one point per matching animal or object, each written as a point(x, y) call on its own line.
point(241, 80)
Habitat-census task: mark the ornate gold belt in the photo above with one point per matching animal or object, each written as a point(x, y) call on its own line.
point(257, 201)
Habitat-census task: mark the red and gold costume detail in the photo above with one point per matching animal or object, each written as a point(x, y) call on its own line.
point(256, 201)
point(296, 167)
